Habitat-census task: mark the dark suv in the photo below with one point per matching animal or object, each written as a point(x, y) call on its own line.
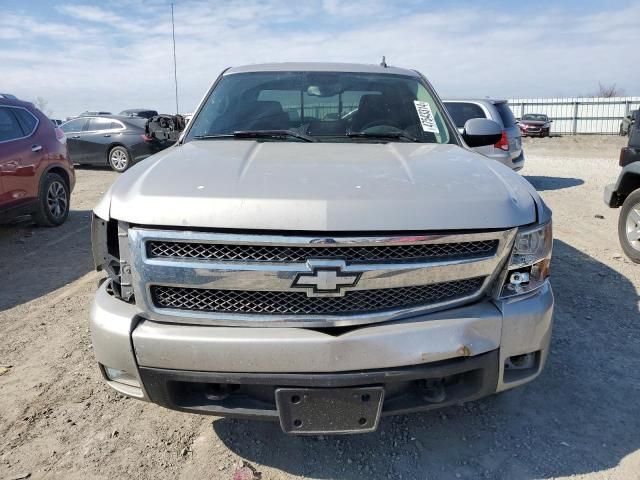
point(625, 193)
point(36, 175)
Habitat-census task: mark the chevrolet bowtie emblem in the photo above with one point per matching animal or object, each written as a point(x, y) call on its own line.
point(325, 280)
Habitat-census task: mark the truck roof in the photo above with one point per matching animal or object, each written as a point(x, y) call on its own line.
point(321, 67)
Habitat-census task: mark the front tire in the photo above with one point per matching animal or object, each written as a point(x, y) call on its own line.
point(53, 201)
point(119, 159)
point(629, 226)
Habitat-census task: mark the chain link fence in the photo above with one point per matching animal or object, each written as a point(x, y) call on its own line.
point(583, 115)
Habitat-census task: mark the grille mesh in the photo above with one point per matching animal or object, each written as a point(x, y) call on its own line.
point(297, 303)
point(298, 254)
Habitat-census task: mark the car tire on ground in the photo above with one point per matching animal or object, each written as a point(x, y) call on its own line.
point(119, 159)
point(53, 201)
point(629, 226)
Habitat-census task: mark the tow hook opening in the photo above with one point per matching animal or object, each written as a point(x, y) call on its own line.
point(219, 391)
point(433, 391)
point(444, 389)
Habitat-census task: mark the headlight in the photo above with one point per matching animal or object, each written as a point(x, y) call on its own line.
point(532, 245)
point(530, 260)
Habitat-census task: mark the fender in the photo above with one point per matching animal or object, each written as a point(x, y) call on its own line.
point(70, 177)
point(628, 181)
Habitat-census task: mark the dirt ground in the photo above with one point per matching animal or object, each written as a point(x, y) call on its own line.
point(580, 419)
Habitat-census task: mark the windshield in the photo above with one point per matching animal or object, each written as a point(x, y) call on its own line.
point(327, 106)
point(535, 116)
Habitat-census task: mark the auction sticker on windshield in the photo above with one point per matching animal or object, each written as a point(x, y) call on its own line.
point(426, 116)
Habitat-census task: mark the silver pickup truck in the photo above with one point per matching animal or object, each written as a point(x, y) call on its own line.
point(321, 248)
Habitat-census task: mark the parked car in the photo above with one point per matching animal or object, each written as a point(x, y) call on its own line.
point(93, 114)
point(56, 122)
point(535, 124)
point(138, 112)
point(628, 121)
point(507, 150)
point(36, 175)
point(403, 270)
point(625, 193)
point(109, 140)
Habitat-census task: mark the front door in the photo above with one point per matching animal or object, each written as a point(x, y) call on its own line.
point(17, 179)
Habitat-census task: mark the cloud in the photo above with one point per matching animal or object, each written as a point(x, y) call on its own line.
point(92, 14)
point(119, 54)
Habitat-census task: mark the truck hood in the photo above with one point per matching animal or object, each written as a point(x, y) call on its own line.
point(243, 184)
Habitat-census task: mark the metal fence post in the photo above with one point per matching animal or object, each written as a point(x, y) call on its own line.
point(522, 110)
point(575, 117)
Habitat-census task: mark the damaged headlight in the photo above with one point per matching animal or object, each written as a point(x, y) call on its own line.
point(530, 260)
point(104, 244)
point(111, 254)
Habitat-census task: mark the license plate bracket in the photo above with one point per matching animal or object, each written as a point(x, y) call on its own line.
point(315, 411)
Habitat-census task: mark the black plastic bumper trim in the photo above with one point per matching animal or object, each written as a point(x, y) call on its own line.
point(184, 390)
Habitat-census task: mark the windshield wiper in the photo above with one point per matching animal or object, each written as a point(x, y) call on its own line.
point(259, 134)
point(273, 134)
point(383, 135)
point(213, 136)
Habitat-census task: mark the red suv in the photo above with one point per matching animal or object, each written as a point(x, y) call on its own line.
point(36, 175)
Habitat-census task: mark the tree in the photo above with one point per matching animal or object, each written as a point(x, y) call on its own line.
point(43, 106)
point(608, 91)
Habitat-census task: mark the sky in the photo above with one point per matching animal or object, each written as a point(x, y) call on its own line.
point(116, 54)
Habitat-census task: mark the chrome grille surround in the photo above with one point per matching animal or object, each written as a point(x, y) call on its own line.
point(274, 278)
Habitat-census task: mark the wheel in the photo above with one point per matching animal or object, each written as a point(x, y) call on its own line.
point(119, 159)
point(629, 226)
point(53, 201)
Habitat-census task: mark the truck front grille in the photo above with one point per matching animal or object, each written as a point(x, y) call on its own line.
point(300, 254)
point(298, 303)
point(309, 280)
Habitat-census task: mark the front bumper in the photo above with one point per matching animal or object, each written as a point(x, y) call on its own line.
point(178, 365)
point(611, 198)
point(535, 131)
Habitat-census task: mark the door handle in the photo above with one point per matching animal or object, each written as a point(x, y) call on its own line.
point(107, 135)
point(76, 136)
point(36, 148)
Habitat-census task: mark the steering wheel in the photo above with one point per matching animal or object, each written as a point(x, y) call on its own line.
point(380, 123)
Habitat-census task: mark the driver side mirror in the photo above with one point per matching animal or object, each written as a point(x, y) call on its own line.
point(479, 132)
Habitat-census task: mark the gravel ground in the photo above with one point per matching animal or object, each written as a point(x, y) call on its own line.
point(580, 419)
